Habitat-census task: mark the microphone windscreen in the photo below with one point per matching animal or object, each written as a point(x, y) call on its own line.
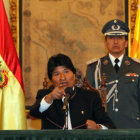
point(69, 90)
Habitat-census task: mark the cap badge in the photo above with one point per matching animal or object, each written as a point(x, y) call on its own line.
point(115, 21)
point(115, 27)
point(105, 62)
point(127, 62)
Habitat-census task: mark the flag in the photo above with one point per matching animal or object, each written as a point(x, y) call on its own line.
point(12, 101)
point(135, 50)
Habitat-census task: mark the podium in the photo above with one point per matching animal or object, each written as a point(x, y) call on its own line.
point(116, 134)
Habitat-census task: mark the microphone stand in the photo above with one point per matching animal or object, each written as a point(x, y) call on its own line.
point(66, 118)
point(69, 92)
point(65, 108)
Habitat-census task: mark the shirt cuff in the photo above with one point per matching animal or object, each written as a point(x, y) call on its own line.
point(103, 127)
point(44, 105)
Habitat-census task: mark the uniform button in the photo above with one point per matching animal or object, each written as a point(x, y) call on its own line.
point(116, 91)
point(116, 109)
point(133, 80)
point(117, 100)
point(138, 118)
point(82, 112)
point(116, 81)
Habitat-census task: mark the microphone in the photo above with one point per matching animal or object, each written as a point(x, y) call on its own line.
point(69, 92)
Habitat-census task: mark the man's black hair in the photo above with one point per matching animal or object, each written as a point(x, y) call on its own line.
point(59, 60)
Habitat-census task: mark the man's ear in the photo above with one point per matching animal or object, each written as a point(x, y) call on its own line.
point(126, 44)
point(105, 43)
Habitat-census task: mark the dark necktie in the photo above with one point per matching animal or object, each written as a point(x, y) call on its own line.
point(116, 65)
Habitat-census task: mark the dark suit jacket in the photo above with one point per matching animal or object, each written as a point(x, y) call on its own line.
point(127, 107)
point(83, 105)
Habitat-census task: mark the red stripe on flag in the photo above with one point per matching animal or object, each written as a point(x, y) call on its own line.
point(7, 48)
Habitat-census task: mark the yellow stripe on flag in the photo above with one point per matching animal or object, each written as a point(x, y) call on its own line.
point(12, 104)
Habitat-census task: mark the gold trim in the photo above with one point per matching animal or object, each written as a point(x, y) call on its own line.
point(14, 22)
point(132, 6)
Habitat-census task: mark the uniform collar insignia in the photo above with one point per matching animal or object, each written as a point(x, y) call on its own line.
point(127, 62)
point(105, 62)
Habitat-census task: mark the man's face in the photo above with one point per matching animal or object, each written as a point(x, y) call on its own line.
point(116, 45)
point(63, 77)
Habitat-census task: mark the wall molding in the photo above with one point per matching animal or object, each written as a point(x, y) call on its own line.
point(14, 22)
point(132, 6)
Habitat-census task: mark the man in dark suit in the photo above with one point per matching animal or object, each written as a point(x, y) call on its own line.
point(122, 77)
point(84, 109)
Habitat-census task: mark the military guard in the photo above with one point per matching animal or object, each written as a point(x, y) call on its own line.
point(122, 76)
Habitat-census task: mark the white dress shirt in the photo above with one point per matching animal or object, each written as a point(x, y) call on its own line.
point(112, 58)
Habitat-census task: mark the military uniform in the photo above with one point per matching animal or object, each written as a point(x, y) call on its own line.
point(123, 87)
point(123, 90)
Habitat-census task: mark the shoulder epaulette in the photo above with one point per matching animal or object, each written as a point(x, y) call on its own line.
point(92, 61)
point(136, 60)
